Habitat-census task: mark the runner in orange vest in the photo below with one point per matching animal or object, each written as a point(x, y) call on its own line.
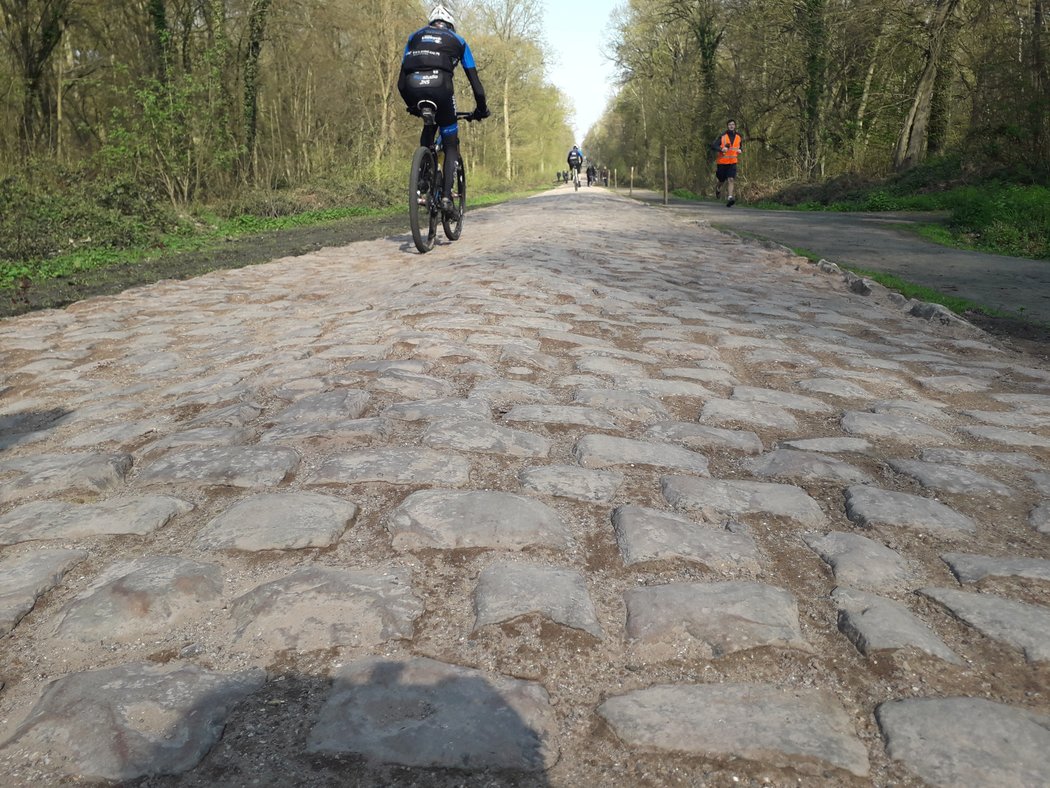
point(727, 148)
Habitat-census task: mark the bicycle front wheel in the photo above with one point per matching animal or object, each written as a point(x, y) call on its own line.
point(422, 212)
point(454, 224)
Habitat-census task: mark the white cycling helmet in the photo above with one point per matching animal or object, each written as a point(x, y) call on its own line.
point(441, 14)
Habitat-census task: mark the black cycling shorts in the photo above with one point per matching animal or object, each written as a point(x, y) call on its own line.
point(725, 172)
point(433, 86)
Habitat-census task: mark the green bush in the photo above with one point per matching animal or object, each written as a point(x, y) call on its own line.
point(46, 211)
point(881, 200)
point(992, 215)
point(263, 203)
point(1011, 219)
point(685, 194)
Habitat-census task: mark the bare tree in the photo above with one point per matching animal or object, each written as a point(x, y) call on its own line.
point(257, 12)
point(515, 24)
point(911, 144)
point(33, 30)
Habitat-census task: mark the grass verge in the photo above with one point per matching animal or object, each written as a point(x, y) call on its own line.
point(208, 232)
point(227, 244)
point(960, 306)
point(998, 215)
point(1030, 335)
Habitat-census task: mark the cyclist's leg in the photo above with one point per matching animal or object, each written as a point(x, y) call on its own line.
point(450, 142)
point(412, 96)
point(426, 137)
point(445, 98)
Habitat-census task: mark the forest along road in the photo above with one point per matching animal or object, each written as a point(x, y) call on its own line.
point(594, 495)
point(881, 242)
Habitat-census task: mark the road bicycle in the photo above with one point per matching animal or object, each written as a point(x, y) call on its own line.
point(425, 182)
point(575, 179)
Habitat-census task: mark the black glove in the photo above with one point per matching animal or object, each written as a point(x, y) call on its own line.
point(480, 113)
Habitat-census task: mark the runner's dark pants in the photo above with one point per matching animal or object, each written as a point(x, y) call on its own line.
point(436, 86)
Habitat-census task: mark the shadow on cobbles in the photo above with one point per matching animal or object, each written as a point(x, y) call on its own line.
point(415, 722)
point(24, 427)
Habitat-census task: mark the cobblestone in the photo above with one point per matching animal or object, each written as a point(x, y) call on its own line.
point(970, 742)
point(875, 624)
point(715, 619)
point(753, 722)
point(362, 470)
point(652, 535)
point(861, 562)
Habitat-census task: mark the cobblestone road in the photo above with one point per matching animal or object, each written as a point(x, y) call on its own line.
point(596, 495)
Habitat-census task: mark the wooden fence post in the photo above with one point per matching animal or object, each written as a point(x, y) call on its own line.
point(665, 176)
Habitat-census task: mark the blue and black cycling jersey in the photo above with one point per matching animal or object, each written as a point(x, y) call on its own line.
point(432, 49)
point(435, 47)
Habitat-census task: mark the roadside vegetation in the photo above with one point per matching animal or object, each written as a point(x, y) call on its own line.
point(908, 289)
point(999, 216)
point(135, 131)
point(149, 129)
point(853, 106)
point(67, 226)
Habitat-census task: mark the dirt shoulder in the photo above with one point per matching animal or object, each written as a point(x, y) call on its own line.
point(884, 242)
point(264, 247)
point(235, 253)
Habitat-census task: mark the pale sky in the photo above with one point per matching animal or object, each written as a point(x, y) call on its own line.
point(577, 34)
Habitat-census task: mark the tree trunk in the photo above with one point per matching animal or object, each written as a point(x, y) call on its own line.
point(707, 31)
point(860, 138)
point(911, 144)
point(814, 32)
point(32, 35)
point(941, 102)
point(1039, 122)
point(256, 31)
point(506, 124)
point(160, 38)
point(385, 119)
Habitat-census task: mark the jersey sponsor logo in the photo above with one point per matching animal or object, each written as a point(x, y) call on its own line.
point(431, 39)
point(418, 52)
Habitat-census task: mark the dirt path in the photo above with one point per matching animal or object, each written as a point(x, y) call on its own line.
point(880, 242)
point(234, 253)
point(594, 495)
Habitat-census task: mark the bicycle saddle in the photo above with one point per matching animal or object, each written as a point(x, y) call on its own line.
point(428, 109)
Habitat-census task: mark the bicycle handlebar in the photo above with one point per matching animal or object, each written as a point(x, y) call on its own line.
point(467, 116)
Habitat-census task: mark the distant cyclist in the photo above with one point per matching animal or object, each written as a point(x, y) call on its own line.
point(431, 55)
point(575, 159)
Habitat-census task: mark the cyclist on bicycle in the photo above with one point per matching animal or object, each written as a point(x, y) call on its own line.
point(431, 55)
point(575, 159)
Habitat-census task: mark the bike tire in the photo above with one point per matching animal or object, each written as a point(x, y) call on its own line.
point(453, 229)
point(576, 184)
point(422, 213)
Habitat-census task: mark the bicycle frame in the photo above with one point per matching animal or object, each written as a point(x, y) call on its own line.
point(425, 192)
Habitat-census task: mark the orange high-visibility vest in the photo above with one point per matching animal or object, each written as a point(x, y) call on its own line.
point(732, 147)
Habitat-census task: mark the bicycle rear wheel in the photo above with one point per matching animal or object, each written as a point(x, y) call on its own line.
point(454, 224)
point(422, 213)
